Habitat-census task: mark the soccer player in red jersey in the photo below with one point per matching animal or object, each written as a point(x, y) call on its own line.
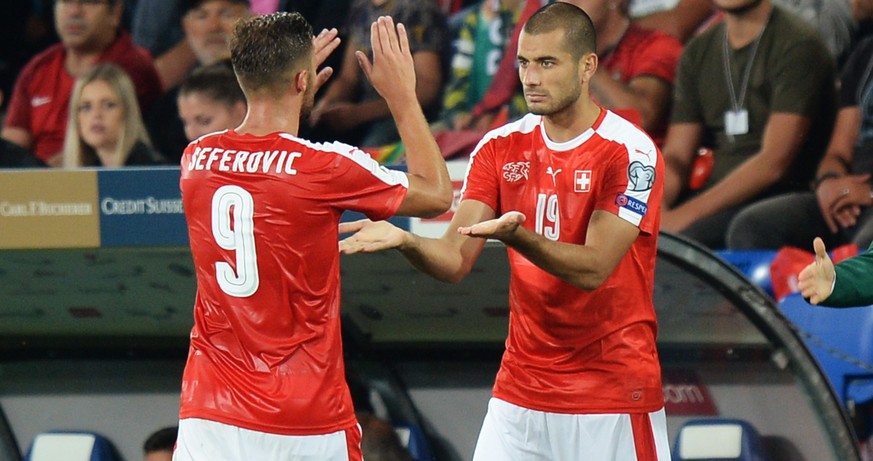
point(574, 192)
point(265, 373)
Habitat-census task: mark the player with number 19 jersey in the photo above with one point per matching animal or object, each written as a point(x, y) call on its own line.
point(262, 215)
point(569, 350)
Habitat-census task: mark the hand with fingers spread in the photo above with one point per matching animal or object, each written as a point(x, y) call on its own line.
point(816, 281)
point(370, 236)
point(392, 71)
point(323, 45)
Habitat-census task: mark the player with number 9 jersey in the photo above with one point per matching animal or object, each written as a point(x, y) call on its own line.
point(263, 213)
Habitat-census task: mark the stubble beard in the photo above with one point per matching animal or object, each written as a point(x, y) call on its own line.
point(558, 105)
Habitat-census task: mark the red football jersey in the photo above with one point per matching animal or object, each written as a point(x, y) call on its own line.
point(262, 214)
point(41, 97)
point(571, 350)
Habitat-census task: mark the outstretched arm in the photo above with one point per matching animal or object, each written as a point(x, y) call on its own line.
point(451, 257)
point(584, 266)
point(448, 258)
point(392, 74)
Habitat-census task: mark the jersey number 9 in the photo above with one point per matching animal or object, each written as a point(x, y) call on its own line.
point(233, 228)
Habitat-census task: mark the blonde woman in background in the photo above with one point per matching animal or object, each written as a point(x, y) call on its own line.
point(105, 127)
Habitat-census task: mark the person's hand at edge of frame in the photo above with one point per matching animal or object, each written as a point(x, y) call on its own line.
point(323, 45)
point(816, 281)
point(392, 71)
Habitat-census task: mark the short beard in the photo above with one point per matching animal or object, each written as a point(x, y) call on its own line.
point(740, 10)
point(308, 102)
point(559, 105)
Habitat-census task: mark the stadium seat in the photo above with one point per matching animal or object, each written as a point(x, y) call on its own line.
point(754, 264)
point(414, 440)
point(71, 446)
point(718, 439)
point(841, 341)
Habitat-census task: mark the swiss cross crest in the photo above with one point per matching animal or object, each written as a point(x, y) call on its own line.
point(582, 181)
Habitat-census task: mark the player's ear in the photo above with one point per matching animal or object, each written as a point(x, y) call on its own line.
point(301, 81)
point(588, 66)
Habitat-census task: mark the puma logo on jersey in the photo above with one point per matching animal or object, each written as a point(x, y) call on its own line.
point(553, 174)
point(642, 152)
point(516, 171)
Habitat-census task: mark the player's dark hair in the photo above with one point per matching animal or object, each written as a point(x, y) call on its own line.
point(161, 440)
point(217, 82)
point(266, 51)
point(579, 35)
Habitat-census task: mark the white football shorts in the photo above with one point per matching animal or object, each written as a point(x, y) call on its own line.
point(513, 433)
point(203, 440)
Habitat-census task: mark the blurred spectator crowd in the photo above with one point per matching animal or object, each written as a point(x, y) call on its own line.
point(763, 109)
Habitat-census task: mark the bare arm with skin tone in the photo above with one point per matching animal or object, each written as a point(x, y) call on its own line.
point(754, 175)
point(650, 96)
point(392, 73)
point(448, 258)
point(841, 198)
point(23, 138)
point(18, 135)
point(816, 280)
point(584, 266)
point(680, 146)
point(175, 64)
point(682, 20)
point(342, 88)
point(451, 257)
point(323, 45)
point(342, 115)
point(862, 9)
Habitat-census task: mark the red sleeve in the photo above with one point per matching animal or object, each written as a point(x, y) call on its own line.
point(480, 182)
point(367, 187)
point(658, 57)
point(18, 111)
point(633, 187)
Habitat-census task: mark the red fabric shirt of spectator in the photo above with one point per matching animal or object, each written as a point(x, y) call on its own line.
point(41, 97)
point(643, 52)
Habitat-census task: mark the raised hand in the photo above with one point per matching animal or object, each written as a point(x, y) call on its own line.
point(392, 71)
point(370, 236)
point(323, 45)
point(816, 280)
